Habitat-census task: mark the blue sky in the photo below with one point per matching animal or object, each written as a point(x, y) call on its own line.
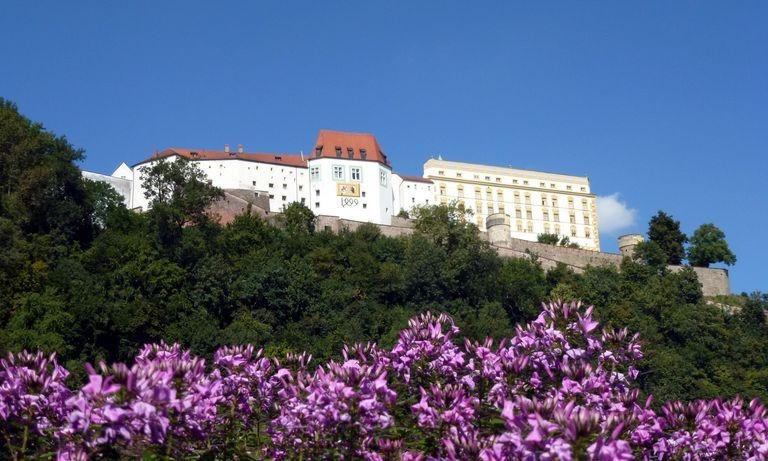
point(662, 103)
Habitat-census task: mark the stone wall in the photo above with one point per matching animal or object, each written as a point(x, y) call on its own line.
point(713, 281)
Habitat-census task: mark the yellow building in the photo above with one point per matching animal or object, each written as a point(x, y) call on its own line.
point(536, 202)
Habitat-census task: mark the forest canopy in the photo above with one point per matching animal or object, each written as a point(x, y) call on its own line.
point(91, 280)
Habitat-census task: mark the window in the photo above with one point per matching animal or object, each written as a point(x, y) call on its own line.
point(350, 152)
point(556, 215)
point(517, 197)
point(314, 173)
point(285, 186)
point(498, 179)
point(488, 195)
point(317, 204)
point(363, 193)
point(568, 188)
point(546, 216)
point(303, 200)
point(487, 178)
point(554, 202)
point(584, 204)
point(284, 197)
point(317, 192)
point(583, 189)
point(355, 173)
point(514, 181)
point(338, 173)
point(338, 152)
point(318, 151)
point(573, 232)
point(546, 228)
point(541, 184)
point(587, 233)
point(253, 183)
point(383, 177)
point(572, 218)
point(442, 189)
point(301, 187)
point(271, 185)
point(518, 213)
point(570, 203)
point(552, 185)
point(528, 214)
point(530, 226)
point(365, 205)
point(477, 176)
point(477, 192)
point(527, 199)
point(499, 196)
point(461, 191)
point(519, 226)
point(557, 229)
point(525, 183)
point(586, 220)
point(458, 175)
point(441, 173)
point(544, 200)
point(363, 154)
point(271, 196)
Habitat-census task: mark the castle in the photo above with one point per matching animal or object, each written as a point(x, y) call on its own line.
point(348, 180)
point(348, 175)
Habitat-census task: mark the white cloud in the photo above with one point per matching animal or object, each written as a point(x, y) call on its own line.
point(614, 215)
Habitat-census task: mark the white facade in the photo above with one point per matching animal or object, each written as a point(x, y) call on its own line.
point(284, 183)
point(351, 189)
point(121, 180)
point(410, 192)
point(537, 202)
point(349, 176)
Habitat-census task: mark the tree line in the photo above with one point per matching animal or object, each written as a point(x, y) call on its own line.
point(85, 277)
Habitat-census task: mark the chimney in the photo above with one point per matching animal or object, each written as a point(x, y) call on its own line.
point(226, 148)
point(239, 148)
point(301, 151)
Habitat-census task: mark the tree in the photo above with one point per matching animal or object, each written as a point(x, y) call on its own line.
point(42, 190)
point(403, 214)
point(651, 254)
point(180, 195)
point(549, 239)
point(566, 242)
point(445, 224)
point(708, 246)
point(665, 232)
point(298, 219)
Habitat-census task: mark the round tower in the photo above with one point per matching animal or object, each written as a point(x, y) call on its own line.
point(498, 226)
point(628, 242)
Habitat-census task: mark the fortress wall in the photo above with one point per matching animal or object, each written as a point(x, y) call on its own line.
point(713, 281)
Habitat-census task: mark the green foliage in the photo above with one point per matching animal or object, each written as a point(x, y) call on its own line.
point(652, 254)
point(549, 239)
point(173, 274)
point(708, 246)
point(298, 219)
point(554, 239)
point(664, 231)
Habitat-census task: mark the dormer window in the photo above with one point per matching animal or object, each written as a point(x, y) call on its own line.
point(338, 152)
point(363, 154)
point(318, 151)
point(350, 152)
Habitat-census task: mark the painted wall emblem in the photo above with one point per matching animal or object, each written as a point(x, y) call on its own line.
point(347, 189)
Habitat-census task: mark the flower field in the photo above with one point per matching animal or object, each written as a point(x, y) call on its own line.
point(561, 388)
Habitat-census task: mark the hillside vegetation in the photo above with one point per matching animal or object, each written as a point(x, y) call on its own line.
point(83, 276)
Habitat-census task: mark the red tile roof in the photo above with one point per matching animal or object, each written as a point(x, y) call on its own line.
point(340, 144)
point(293, 160)
point(415, 179)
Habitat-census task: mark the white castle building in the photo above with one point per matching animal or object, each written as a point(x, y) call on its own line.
point(348, 175)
